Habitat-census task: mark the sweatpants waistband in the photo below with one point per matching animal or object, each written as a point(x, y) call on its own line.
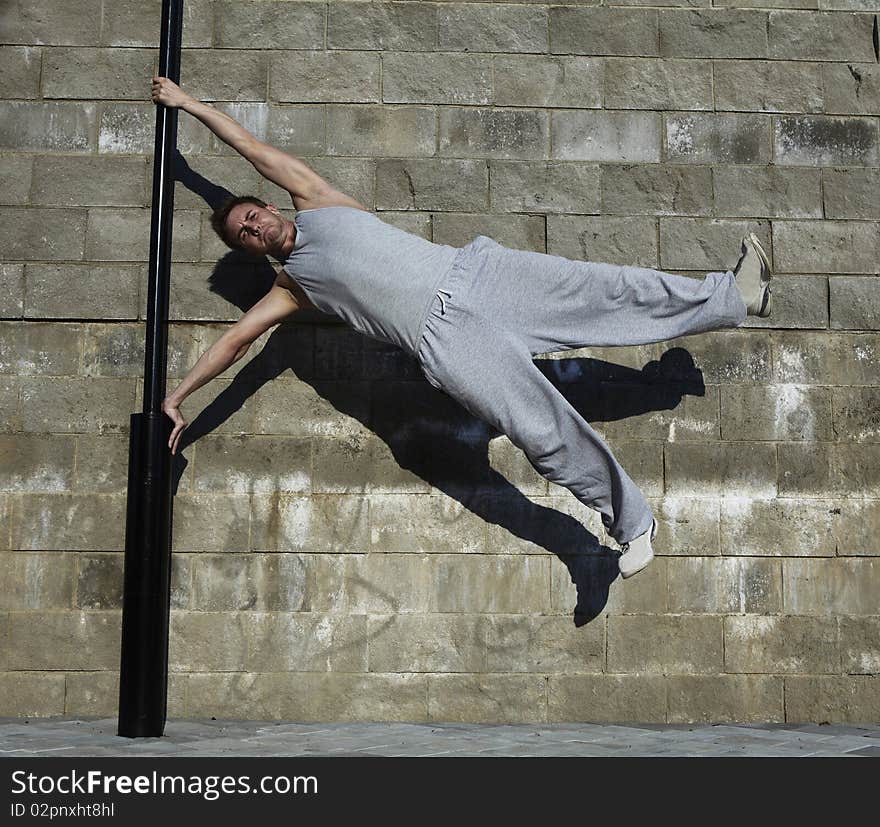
point(453, 281)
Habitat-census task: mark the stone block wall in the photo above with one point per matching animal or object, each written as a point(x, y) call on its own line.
point(349, 544)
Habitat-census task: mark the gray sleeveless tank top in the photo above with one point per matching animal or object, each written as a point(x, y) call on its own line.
point(379, 279)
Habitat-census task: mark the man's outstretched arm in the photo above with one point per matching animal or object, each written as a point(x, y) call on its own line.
point(278, 304)
point(287, 171)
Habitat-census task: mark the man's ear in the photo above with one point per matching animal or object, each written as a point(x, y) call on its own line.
point(273, 208)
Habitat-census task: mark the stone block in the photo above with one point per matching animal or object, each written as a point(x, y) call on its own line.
point(810, 358)
point(490, 583)
point(15, 172)
point(416, 77)
point(856, 414)
point(225, 75)
point(55, 405)
point(10, 413)
point(371, 583)
point(135, 23)
point(211, 522)
point(102, 292)
point(612, 239)
point(269, 25)
point(776, 412)
point(819, 36)
point(31, 694)
point(96, 694)
point(724, 585)
point(603, 31)
point(35, 126)
point(649, 83)
point(267, 642)
point(725, 698)
point(192, 298)
point(65, 241)
point(719, 469)
point(512, 464)
point(124, 235)
point(687, 644)
point(655, 189)
point(732, 33)
point(784, 527)
point(20, 71)
point(706, 138)
point(37, 581)
point(101, 463)
point(768, 86)
point(386, 26)
point(418, 523)
point(308, 697)
point(729, 357)
point(607, 698)
point(72, 181)
point(99, 74)
point(767, 192)
point(521, 232)
point(50, 22)
point(706, 244)
point(822, 140)
point(860, 645)
point(544, 187)
point(487, 699)
point(689, 525)
point(40, 349)
point(386, 131)
point(832, 699)
point(578, 135)
point(361, 463)
point(829, 587)
point(325, 408)
point(693, 418)
point(130, 129)
point(29, 462)
point(324, 77)
point(99, 581)
point(11, 290)
point(427, 643)
point(536, 80)
point(482, 27)
point(493, 133)
point(520, 643)
point(64, 640)
point(858, 531)
point(805, 469)
point(112, 350)
point(253, 465)
point(69, 522)
point(325, 524)
point(848, 247)
point(851, 193)
point(781, 644)
point(425, 184)
point(851, 88)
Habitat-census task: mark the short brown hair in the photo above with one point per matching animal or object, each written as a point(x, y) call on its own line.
point(219, 216)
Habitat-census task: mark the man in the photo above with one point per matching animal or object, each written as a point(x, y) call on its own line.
point(473, 317)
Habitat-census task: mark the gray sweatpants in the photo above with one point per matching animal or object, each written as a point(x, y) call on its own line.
point(499, 307)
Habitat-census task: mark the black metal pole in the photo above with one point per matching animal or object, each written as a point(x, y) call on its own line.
point(143, 670)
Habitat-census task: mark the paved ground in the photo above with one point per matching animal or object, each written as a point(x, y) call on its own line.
point(97, 737)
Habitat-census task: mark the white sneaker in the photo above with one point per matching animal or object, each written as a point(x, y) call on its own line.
point(752, 273)
point(637, 553)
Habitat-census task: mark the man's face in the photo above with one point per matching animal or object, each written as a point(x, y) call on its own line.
point(257, 229)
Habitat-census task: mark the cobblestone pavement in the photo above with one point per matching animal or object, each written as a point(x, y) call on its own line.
point(60, 737)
